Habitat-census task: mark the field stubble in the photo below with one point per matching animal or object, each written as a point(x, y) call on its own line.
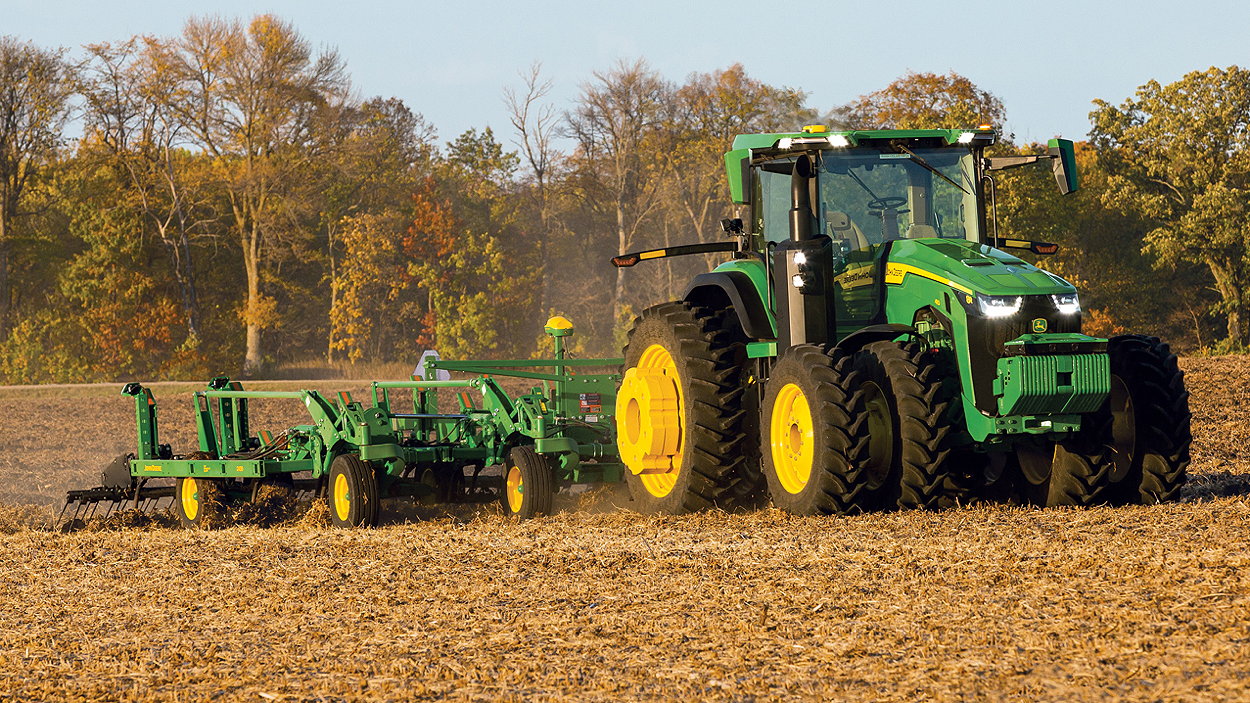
point(988, 602)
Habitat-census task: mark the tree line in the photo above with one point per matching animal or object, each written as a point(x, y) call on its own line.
point(228, 204)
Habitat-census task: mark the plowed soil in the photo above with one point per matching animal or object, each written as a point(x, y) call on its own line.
point(598, 603)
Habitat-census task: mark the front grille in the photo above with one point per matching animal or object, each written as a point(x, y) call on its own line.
point(986, 337)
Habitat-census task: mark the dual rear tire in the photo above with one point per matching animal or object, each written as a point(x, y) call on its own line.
point(847, 433)
point(682, 426)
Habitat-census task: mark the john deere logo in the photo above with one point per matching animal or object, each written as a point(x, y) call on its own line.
point(1039, 325)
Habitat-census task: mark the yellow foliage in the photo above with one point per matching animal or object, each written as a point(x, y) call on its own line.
point(260, 311)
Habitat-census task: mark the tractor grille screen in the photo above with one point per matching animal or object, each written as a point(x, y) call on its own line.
point(986, 337)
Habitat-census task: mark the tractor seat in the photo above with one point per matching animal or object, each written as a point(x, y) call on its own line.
point(921, 231)
point(841, 226)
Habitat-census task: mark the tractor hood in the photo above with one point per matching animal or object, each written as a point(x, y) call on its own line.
point(972, 268)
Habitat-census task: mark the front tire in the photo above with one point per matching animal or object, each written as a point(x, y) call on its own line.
point(813, 435)
point(680, 420)
point(1074, 472)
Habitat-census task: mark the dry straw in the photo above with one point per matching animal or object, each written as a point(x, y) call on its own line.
point(980, 603)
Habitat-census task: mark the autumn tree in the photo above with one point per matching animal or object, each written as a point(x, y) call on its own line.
point(924, 101)
point(492, 261)
point(1179, 154)
point(711, 109)
point(375, 310)
point(35, 90)
point(536, 124)
point(257, 99)
point(382, 154)
point(130, 100)
point(615, 122)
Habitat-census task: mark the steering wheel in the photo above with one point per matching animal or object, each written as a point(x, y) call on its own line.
point(887, 203)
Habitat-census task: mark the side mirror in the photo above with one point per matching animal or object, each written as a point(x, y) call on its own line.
point(1063, 163)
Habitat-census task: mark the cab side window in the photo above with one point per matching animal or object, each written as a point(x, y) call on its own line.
point(772, 200)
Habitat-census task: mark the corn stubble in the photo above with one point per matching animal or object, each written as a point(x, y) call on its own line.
point(982, 603)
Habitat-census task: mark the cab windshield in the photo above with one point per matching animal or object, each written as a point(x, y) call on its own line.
point(869, 196)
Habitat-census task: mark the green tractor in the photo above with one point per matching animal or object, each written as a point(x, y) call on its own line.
point(870, 345)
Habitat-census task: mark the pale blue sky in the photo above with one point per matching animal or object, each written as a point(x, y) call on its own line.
point(451, 61)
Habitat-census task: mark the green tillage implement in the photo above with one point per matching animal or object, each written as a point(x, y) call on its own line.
point(559, 433)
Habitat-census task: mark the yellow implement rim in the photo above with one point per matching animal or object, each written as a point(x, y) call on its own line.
point(516, 489)
point(189, 496)
point(791, 438)
point(661, 484)
point(342, 500)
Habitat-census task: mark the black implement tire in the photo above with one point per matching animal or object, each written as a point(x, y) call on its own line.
point(704, 359)
point(910, 426)
point(1149, 435)
point(352, 491)
point(529, 484)
point(200, 503)
point(813, 439)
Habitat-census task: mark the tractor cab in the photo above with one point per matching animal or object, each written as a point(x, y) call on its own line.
point(879, 191)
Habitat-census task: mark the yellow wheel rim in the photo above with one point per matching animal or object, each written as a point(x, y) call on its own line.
point(342, 499)
point(791, 438)
point(651, 418)
point(516, 489)
point(189, 496)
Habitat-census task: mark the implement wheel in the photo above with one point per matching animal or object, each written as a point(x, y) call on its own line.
point(679, 413)
point(529, 484)
point(199, 502)
point(352, 492)
point(814, 436)
point(909, 428)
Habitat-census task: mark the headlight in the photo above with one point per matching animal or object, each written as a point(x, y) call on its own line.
point(1067, 303)
point(999, 305)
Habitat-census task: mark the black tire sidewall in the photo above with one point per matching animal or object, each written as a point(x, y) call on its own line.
point(537, 479)
point(691, 347)
point(362, 490)
point(210, 501)
point(829, 488)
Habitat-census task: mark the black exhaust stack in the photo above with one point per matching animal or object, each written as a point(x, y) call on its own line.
point(803, 270)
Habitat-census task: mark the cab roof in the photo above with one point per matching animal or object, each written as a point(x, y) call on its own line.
point(853, 137)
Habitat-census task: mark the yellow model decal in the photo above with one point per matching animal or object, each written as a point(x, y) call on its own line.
point(894, 274)
point(152, 467)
